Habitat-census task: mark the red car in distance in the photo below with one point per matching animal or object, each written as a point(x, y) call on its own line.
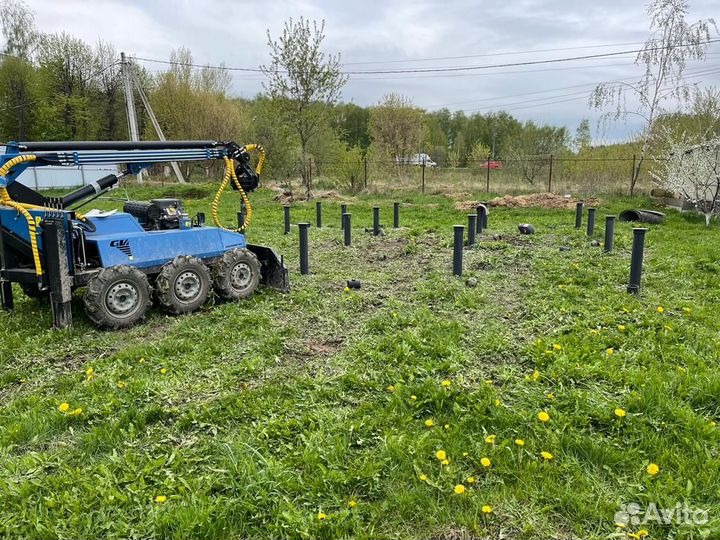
point(491, 164)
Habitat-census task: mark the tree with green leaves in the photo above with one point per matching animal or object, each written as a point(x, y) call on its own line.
point(531, 149)
point(396, 128)
point(583, 137)
point(67, 72)
point(19, 91)
point(304, 83)
point(480, 154)
point(673, 42)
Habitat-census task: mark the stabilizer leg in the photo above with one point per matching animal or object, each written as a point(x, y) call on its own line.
point(56, 267)
point(6, 294)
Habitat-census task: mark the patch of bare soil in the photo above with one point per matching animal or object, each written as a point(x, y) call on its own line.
point(307, 350)
point(285, 196)
point(535, 200)
point(391, 248)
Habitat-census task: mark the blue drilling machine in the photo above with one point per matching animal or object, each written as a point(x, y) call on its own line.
point(151, 251)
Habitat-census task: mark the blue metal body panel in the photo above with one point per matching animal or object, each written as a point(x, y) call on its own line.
point(15, 222)
point(121, 240)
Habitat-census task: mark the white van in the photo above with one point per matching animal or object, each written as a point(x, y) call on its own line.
point(416, 159)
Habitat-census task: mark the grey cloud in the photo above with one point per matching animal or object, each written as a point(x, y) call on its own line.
point(234, 32)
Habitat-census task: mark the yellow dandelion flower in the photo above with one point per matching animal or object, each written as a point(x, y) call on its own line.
point(391, 388)
point(642, 533)
point(445, 462)
point(620, 413)
point(488, 381)
point(441, 455)
point(687, 310)
point(470, 479)
point(320, 515)
point(485, 462)
point(64, 407)
point(423, 478)
point(76, 412)
point(465, 454)
point(352, 504)
point(543, 416)
point(486, 509)
point(557, 346)
point(520, 442)
point(163, 371)
point(445, 383)
point(459, 489)
point(429, 423)
point(346, 289)
point(652, 469)
point(447, 426)
point(550, 396)
point(413, 397)
point(498, 402)
point(610, 351)
point(160, 499)
point(660, 309)
point(142, 360)
point(490, 439)
point(536, 375)
point(547, 455)
point(120, 384)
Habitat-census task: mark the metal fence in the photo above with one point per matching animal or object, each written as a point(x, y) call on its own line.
point(559, 174)
point(564, 174)
point(63, 177)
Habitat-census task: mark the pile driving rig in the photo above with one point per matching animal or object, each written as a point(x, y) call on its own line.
point(150, 251)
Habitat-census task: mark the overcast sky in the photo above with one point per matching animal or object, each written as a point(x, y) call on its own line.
point(395, 34)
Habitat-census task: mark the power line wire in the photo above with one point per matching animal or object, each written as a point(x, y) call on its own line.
point(446, 69)
point(689, 73)
point(519, 104)
point(513, 64)
point(503, 53)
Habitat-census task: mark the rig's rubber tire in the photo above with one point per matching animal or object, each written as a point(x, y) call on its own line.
point(117, 297)
point(183, 285)
point(236, 275)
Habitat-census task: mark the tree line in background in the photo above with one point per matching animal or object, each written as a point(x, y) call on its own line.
point(58, 87)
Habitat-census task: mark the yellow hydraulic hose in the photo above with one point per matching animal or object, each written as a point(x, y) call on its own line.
point(230, 175)
point(6, 200)
point(261, 157)
point(23, 208)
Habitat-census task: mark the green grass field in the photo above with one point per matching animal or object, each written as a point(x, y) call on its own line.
point(306, 415)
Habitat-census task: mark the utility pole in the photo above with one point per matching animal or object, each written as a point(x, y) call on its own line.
point(130, 103)
point(153, 120)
